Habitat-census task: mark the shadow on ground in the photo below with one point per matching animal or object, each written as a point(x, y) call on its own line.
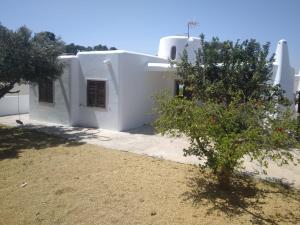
point(244, 197)
point(15, 139)
point(146, 130)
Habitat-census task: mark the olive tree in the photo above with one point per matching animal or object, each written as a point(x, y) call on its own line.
point(26, 58)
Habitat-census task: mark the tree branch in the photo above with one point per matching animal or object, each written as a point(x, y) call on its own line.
point(6, 88)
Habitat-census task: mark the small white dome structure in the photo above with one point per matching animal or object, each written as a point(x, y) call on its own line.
point(171, 47)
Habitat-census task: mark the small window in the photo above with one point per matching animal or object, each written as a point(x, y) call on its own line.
point(173, 52)
point(46, 91)
point(96, 93)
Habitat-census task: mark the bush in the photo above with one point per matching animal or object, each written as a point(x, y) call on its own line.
point(223, 134)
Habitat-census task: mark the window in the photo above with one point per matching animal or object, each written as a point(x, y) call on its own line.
point(173, 52)
point(96, 93)
point(46, 91)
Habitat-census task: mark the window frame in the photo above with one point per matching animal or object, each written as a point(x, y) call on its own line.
point(43, 89)
point(94, 105)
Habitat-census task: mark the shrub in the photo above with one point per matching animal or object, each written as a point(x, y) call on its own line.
point(223, 135)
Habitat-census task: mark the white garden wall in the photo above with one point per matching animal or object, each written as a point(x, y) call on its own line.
point(9, 105)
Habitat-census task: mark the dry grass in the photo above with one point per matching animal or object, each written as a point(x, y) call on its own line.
point(75, 183)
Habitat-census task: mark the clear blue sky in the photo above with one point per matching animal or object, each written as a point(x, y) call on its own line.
point(137, 25)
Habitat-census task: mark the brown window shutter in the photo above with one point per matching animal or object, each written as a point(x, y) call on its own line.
point(96, 93)
point(46, 91)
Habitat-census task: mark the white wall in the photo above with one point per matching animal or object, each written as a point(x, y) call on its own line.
point(92, 67)
point(59, 111)
point(70, 99)
point(130, 89)
point(138, 87)
point(9, 105)
point(283, 73)
point(297, 82)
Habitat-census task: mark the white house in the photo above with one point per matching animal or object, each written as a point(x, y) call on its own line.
point(108, 89)
point(114, 89)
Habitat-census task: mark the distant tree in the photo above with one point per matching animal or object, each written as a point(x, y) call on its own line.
point(100, 48)
point(26, 58)
point(73, 49)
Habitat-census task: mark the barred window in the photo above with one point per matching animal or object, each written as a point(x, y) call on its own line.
point(96, 93)
point(46, 91)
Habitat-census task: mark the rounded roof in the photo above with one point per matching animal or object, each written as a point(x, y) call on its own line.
point(282, 41)
point(178, 37)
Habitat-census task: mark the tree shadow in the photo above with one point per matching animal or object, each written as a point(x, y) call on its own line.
point(15, 139)
point(245, 196)
point(79, 134)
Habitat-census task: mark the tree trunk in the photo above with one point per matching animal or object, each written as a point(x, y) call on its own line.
point(4, 89)
point(224, 178)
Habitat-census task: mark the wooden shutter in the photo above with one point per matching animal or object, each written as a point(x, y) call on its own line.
point(96, 93)
point(46, 91)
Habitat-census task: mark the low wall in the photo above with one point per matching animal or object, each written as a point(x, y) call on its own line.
point(9, 105)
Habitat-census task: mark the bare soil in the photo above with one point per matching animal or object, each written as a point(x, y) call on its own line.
point(45, 179)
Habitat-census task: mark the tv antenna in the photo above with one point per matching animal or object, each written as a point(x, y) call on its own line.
point(190, 24)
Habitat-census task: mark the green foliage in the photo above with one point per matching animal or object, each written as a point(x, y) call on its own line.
point(73, 49)
point(230, 109)
point(26, 58)
point(223, 134)
point(225, 69)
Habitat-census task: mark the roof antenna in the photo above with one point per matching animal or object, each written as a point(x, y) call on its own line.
point(190, 24)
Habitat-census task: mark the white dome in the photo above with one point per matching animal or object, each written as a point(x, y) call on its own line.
point(171, 47)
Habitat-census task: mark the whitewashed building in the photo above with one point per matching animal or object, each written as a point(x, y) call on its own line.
point(108, 89)
point(114, 89)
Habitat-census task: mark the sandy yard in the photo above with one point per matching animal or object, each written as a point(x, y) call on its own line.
point(145, 141)
point(49, 180)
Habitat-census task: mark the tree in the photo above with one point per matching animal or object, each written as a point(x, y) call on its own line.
point(223, 69)
point(26, 58)
point(100, 48)
point(73, 49)
point(231, 110)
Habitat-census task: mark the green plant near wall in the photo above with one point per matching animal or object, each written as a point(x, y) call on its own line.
point(231, 109)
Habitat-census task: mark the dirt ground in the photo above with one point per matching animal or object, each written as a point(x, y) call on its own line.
point(48, 180)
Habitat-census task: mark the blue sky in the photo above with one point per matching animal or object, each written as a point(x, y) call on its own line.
point(138, 25)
